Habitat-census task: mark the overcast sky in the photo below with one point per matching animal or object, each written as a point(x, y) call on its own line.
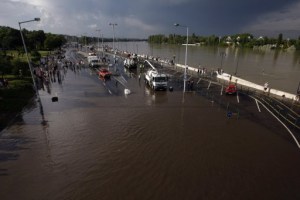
point(141, 18)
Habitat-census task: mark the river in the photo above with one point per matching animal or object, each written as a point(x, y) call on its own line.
point(281, 69)
point(97, 144)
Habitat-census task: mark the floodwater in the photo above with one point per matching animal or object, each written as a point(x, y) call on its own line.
point(97, 143)
point(281, 69)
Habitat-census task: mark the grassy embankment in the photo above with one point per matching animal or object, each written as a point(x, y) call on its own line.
point(17, 95)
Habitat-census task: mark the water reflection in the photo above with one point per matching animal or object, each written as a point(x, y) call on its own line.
point(155, 97)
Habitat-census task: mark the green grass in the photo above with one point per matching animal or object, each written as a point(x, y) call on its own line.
point(44, 53)
point(15, 55)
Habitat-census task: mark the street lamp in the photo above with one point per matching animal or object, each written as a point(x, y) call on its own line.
point(25, 48)
point(30, 68)
point(113, 25)
point(86, 49)
point(185, 60)
point(98, 30)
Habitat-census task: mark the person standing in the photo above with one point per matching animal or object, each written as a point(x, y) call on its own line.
point(266, 85)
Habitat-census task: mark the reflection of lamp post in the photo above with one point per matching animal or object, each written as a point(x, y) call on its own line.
point(29, 63)
point(222, 54)
point(185, 60)
point(237, 63)
point(113, 25)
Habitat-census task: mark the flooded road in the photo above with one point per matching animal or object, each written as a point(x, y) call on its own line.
point(97, 143)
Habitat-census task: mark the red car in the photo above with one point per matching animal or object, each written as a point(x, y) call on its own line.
point(230, 89)
point(104, 73)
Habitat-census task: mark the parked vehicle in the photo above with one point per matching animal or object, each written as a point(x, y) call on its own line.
point(93, 61)
point(230, 89)
point(155, 79)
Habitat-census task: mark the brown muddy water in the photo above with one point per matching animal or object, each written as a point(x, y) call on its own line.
point(163, 145)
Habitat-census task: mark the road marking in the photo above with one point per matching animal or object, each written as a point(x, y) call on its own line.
point(209, 85)
point(237, 97)
point(257, 105)
point(292, 116)
point(222, 90)
point(279, 107)
point(290, 132)
point(199, 80)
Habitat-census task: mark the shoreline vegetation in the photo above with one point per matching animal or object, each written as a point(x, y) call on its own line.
point(16, 86)
point(245, 40)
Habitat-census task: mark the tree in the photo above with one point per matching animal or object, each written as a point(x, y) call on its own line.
point(35, 56)
point(279, 40)
point(9, 38)
point(54, 41)
point(36, 39)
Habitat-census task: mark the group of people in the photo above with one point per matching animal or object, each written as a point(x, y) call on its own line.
point(51, 69)
point(190, 85)
point(3, 82)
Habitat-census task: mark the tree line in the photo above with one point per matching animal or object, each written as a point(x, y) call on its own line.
point(241, 40)
point(12, 50)
point(10, 39)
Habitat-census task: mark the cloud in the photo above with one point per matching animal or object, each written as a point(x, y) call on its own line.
point(145, 17)
point(134, 22)
point(285, 20)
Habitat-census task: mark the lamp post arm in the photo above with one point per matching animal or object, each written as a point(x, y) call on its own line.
point(27, 21)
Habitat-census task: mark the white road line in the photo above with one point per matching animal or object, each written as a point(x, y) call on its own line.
point(292, 116)
point(237, 97)
point(279, 107)
point(209, 85)
point(257, 105)
point(199, 80)
point(290, 132)
point(222, 90)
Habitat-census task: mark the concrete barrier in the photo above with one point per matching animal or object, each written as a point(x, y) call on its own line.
point(239, 81)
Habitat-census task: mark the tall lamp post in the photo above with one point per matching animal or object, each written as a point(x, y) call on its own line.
point(86, 48)
point(98, 30)
point(25, 48)
point(113, 25)
point(30, 68)
point(185, 59)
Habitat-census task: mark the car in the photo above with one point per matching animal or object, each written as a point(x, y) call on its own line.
point(104, 73)
point(230, 89)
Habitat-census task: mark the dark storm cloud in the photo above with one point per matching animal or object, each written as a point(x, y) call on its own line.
point(144, 17)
